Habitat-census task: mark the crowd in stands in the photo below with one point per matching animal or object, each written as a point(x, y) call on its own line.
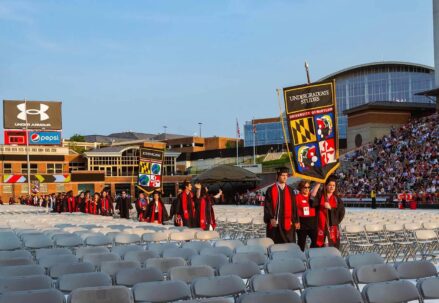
point(249, 198)
point(406, 160)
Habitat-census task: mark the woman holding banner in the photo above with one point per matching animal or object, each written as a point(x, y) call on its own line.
point(306, 208)
point(330, 213)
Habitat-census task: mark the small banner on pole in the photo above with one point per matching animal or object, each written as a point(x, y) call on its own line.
point(150, 168)
point(312, 123)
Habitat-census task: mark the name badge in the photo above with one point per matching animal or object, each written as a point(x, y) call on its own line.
point(304, 201)
point(306, 211)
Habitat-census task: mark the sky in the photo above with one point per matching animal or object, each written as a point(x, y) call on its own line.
point(140, 65)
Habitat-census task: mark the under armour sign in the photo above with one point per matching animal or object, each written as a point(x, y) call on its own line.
point(38, 115)
point(24, 111)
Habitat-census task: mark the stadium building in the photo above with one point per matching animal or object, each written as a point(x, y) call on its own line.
point(389, 81)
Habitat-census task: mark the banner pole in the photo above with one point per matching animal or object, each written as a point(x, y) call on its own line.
point(308, 78)
point(283, 129)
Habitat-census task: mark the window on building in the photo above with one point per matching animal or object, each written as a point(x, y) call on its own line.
point(60, 188)
point(7, 189)
point(33, 168)
point(54, 168)
point(7, 168)
point(43, 188)
point(24, 188)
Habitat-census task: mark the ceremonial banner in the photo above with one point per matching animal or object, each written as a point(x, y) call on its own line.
point(150, 168)
point(312, 123)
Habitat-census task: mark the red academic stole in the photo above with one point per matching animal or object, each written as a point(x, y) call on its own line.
point(323, 223)
point(203, 223)
point(71, 204)
point(105, 204)
point(184, 204)
point(288, 205)
point(159, 219)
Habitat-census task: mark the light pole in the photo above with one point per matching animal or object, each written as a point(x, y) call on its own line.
point(27, 150)
point(200, 123)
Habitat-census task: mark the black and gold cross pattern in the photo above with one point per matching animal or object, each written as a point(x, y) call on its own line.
point(145, 168)
point(303, 130)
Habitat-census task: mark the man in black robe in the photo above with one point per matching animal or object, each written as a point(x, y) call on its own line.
point(280, 210)
point(123, 204)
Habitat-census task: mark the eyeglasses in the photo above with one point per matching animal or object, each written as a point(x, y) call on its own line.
point(306, 187)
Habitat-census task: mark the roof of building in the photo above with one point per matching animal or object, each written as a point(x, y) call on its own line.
point(376, 64)
point(430, 93)
point(390, 105)
point(131, 136)
point(110, 150)
point(116, 151)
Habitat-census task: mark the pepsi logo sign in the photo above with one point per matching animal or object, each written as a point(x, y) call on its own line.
point(35, 137)
point(45, 138)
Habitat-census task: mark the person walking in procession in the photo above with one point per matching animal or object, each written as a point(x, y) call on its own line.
point(330, 214)
point(306, 208)
point(280, 210)
point(185, 210)
point(123, 204)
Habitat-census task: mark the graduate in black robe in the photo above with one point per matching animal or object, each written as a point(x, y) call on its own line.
point(280, 210)
point(157, 212)
point(123, 204)
point(330, 213)
point(205, 214)
point(185, 209)
point(80, 202)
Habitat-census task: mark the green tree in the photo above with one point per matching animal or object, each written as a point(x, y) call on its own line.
point(77, 138)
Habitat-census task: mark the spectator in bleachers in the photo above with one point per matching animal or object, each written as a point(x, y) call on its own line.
point(280, 210)
point(373, 196)
point(307, 214)
point(406, 159)
point(330, 213)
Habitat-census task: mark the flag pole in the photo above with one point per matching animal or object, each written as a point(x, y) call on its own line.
point(237, 141)
point(254, 142)
point(308, 78)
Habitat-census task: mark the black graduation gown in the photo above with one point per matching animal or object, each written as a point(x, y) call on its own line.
point(278, 234)
point(151, 207)
point(335, 215)
point(124, 206)
point(191, 221)
point(80, 204)
point(209, 215)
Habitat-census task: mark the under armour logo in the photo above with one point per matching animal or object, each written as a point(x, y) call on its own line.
point(23, 112)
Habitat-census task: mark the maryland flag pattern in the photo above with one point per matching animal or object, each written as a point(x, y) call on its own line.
point(311, 112)
point(145, 168)
point(303, 130)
